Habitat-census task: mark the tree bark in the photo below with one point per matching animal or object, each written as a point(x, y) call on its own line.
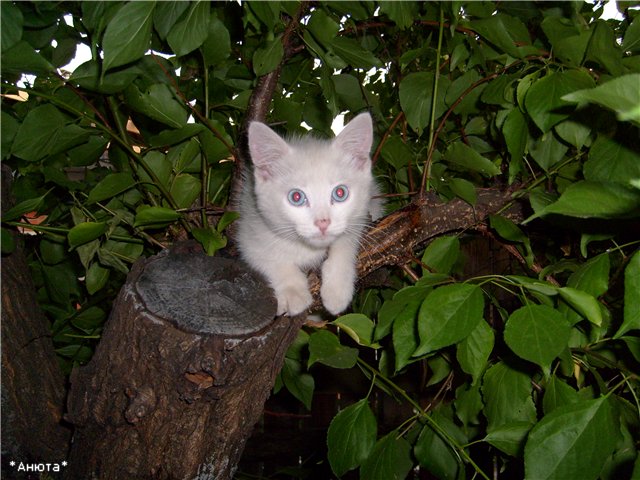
point(187, 359)
point(32, 383)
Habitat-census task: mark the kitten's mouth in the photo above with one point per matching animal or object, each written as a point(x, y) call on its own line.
point(320, 239)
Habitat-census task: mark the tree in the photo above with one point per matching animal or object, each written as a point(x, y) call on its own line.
point(513, 123)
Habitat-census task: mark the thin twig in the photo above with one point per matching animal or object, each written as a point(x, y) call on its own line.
point(386, 135)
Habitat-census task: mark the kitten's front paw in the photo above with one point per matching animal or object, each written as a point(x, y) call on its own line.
point(293, 300)
point(336, 296)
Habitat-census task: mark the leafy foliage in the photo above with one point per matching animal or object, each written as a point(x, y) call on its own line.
point(532, 368)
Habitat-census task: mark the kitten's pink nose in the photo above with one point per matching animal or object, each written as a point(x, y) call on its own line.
point(322, 224)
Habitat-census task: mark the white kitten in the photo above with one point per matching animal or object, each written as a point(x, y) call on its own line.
point(307, 204)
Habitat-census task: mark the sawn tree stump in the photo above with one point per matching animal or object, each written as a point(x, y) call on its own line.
point(187, 360)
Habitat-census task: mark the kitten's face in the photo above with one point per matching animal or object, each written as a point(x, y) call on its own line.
point(313, 190)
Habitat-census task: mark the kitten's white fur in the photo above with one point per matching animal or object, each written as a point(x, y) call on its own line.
point(284, 241)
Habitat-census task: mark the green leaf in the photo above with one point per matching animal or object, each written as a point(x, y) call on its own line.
point(87, 251)
point(11, 26)
point(435, 454)
point(396, 152)
point(507, 395)
point(544, 101)
point(353, 53)
point(592, 277)
point(210, 239)
point(403, 14)
point(633, 344)
point(405, 335)
point(227, 219)
point(349, 91)
point(557, 394)
point(166, 15)
point(631, 42)
point(22, 59)
point(128, 35)
point(158, 103)
point(631, 296)
point(185, 189)
point(587, 199)
point(128, 252)
point(85, 232)
point(26, 206)
point(351, 436)
point(359, 327)
point(508, 33)
point(390, 459)
point(89, 152)
point(573, 132)
point(547, 150)
point(8, 132)
point(324, 347)
point(160, 165)
point(267, 58)
point(468, 404)
point(320, 32)
point(500, 91)
point(87, 75)
point(110, 186)
point(537, 333)
point(392, 308)
point(61, 283)
point(473, 352)
point(509, 437)
point(583, 302)
point(267, 13)
point(539, 286)
point(37, 136)
point(295, 350)
point(217, 47)
point(439, 368)
point(611, 161)
point(516, 133)
point(174, 136)
point(442, 254)
point(604, 48)
point(459, 97)
point(448, 315)
point(510, 231)
point(89, 319)
point(416, 94)
point(621, 95)
point(155, 216)
point(78, 353)
point(299, 384)
point(460, 154)
point(96, 277)
point(569, 41)
point(464, 189)
point(556, 446)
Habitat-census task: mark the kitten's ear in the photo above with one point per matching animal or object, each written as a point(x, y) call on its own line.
point(356, 139)
point(266, 147)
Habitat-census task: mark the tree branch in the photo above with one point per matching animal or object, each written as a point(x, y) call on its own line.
point(260, 101)
point(393, 240)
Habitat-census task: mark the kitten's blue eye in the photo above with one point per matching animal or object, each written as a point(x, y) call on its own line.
point(297, 198)
point(340, 193)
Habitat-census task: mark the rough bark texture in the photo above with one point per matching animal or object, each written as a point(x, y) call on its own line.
point(187, 360)
point(394, 239)
point(32, 383)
